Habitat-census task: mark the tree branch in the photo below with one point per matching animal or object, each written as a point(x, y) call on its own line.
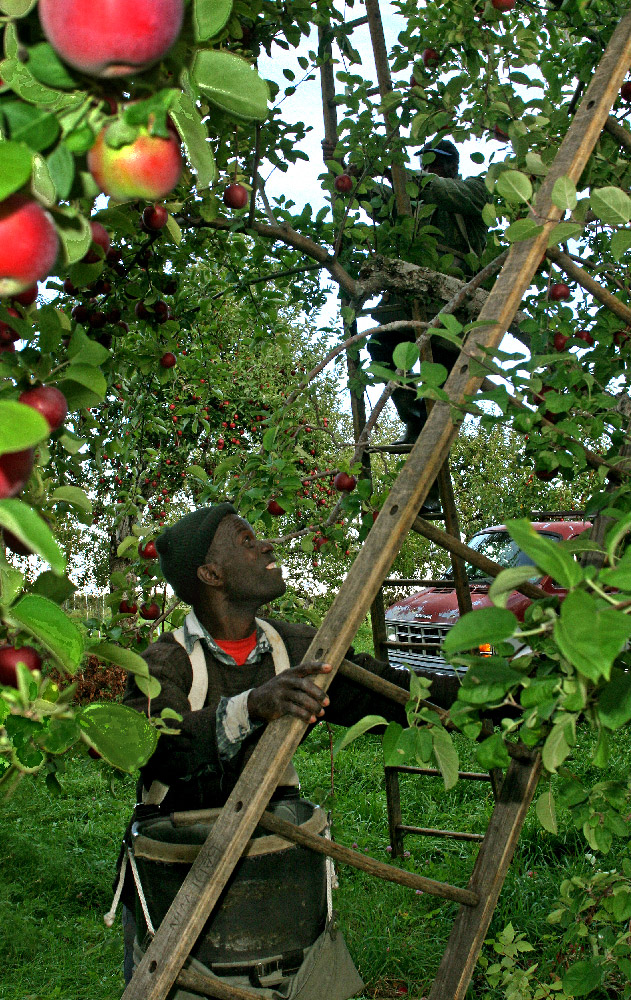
point(582, 278)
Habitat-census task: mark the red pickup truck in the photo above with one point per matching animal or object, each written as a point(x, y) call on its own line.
point(427, 616)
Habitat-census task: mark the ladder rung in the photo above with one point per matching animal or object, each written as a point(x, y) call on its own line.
point(451, 834)
point(288, 831)
point(432, 772)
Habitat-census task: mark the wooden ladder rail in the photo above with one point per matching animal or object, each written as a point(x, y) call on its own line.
point(176, 936)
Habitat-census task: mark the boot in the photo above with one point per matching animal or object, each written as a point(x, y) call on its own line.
point(432, 506)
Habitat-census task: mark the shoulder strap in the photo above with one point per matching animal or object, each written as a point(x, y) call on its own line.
point(279, 651)
point(199, 687)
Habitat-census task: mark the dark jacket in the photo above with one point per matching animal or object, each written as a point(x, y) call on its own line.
point(189, 762)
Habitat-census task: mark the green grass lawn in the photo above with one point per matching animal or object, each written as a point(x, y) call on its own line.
point(59, 853)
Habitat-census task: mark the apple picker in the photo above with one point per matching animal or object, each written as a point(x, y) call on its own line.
point(455, 211)
point(227, 672)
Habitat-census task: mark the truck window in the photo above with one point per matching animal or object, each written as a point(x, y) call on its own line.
point(500, 547)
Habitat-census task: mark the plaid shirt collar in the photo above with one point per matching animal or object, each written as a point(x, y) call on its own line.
point(194, 631)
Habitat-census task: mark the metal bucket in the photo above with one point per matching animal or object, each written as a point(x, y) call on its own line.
point(273, 905)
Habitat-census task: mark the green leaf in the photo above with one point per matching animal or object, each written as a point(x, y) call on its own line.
point(174, 230)
point(122, 657)
point(74, 233)
point(88, 376)
point(564, 193)
point(611, 205)
point(508, 581)
point(36, 127)
point(361, 727)
point(620, 243)
point(492, 752)
point(15, 167)
point(17, 8)
point(42, 619)
point(614, 704)
point(589, 637)
point(27, 525)
point(194, 135)
point(562, 232)
point(546, 555)
point(581, 978)
point(55, 588)
point(556, 748)
point(123, 737)
point(488, 680)
point(484, 625)
point(523, 229)
point(514, 186)
point(446, 756)
point(62, 733)
point(432, 373)
point(231, 84)
point(61, 166)
point(47, 67)
point(546, 812)
point(129, 544)
point(74, 496)
point(150, 686)
point(21, 426)
point(209, 17)
point(405, 355)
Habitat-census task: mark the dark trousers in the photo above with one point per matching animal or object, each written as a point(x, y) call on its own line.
point(412, 411)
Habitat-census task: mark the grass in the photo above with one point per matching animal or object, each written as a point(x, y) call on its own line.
point(59, 854)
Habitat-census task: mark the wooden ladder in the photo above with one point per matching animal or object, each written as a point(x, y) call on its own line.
point(161, 966)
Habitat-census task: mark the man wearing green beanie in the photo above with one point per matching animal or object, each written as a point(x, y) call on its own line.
point(215, 563)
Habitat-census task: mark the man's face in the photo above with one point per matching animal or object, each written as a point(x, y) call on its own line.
point(246, 564)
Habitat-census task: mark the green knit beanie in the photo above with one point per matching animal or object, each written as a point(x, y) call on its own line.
point(183, 546)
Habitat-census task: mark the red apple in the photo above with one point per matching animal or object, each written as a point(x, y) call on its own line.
point(625, 91)
point(318, 542)
point(621, 337)
point(113, 37)
point(500, 134)
point(148, 551)
point(235, 196)
point(559, 292)
point(430, 58)
point(503, 5)
point(155, 217)
point(559, 340)
point(343, 183)
point(125, 608)
point(28, 297)
point(149, 611)
point(344, 483)
point(15, 469)
point(168, 360)
point(149, 167)
point(28, 244)
point(101, 237)
point(545, 475)
point(586, 336)
point(274, 508)
point(48, 401)
point(9, 659)
point(7, 334)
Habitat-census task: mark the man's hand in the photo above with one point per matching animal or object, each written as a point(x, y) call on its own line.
point(291, 693)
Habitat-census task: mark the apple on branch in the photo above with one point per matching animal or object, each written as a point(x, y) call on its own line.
point(149, 167)
point(9, 659)
point(48, 401)
point(28, 244)
point(111, 38)
point(15, 469)
point(235, 196)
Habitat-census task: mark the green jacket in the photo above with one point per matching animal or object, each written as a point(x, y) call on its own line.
point(458, 212)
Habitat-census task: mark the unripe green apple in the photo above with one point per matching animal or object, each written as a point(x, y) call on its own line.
point(28, 244)
point(149, 167)
point(112, 37)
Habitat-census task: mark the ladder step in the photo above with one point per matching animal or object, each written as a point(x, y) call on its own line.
point(377, 868)
point(425, 831)
point(433, 772)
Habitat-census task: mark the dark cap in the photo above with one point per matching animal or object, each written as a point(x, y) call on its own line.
point(444, 150)
point(183, 546)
